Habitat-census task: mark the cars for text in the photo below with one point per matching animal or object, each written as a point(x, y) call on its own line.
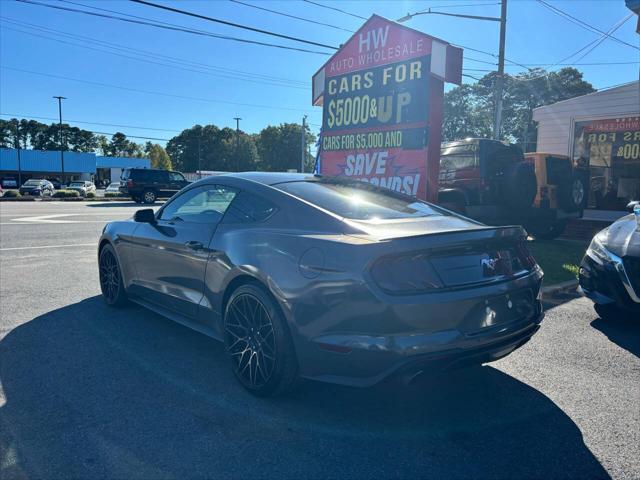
point(333, 280)
point(610, 270)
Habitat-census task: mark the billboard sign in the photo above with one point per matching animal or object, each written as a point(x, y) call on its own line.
point(382, 95)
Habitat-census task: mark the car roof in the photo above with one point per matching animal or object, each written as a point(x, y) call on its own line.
point(270, 178)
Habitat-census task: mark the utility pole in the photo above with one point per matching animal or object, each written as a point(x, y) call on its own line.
point(63, 182)
point(500, 80)
point(500, 77)
point(18, 153)
point(237, 119)
point(302, 142)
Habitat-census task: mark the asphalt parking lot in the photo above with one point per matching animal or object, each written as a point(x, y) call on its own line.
point(91, 392)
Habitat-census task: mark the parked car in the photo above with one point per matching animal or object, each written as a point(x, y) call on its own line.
point(114, 187)
point(82, 187)
point(325, 278)
point(55, 182)
point(1, 191)
point(9, 182)
point(40, 188)
point(145, 185)
point(496, 183)
point(610, 271)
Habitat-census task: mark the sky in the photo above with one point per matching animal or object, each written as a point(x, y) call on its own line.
point(153, 83)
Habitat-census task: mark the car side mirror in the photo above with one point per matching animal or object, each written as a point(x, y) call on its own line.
point(632, 205)
point(146, 215)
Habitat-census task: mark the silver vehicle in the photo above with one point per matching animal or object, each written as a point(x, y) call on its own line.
point(324, 278)
point(82, 187)
point(114, 187)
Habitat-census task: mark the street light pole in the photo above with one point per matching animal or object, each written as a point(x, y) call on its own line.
point(237, 119)
point(61, 147)
point(500, 80)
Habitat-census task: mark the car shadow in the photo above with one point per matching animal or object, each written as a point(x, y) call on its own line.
point(115, 203)
point(623, 331)
point(93, 392)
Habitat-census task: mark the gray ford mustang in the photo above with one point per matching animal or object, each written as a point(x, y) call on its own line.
point(324, 278)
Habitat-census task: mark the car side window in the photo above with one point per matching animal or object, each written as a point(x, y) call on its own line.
point(206, 204)
point(176, 177)
point(249, 208)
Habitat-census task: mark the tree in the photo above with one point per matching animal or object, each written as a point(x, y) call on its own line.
point(120, 146)
point(211, 148)
point(158, 156)
point(469, 109)
point(24, 133)
point(279, 147)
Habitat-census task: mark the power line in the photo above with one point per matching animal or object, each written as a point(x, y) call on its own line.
point(583, 24)
point(579, 64)
point(589, 47)
point(126, 48)
point(15, 115)
point(99, 133)
point(234, 77)
point(151, 92)
point(335, 9)
point(166, 26)
point(291, 16)
point(232, 24)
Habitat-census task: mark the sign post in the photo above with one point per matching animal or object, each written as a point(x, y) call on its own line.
point(382, 96)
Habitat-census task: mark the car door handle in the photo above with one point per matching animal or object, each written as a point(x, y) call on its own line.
point(194, 245)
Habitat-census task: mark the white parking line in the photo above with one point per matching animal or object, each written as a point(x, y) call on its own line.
point(50, 246)
point(54, 218)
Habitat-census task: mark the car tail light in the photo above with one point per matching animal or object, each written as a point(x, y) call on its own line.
point(405, 274)
point(525, 256)
point(130, 183)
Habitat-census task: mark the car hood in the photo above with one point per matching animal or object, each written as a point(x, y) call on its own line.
point(411, 227)
point(623, 237)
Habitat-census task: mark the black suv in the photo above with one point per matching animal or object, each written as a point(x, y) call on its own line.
point(145, 185)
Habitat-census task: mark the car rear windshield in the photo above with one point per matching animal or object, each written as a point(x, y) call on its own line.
point(32, 182)
point(359, 201)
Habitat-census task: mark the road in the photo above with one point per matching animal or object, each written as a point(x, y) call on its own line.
point(91, 392)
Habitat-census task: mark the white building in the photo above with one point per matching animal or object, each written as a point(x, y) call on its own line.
point(601, 129)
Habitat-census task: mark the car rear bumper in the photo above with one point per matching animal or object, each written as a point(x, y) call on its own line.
point(372, 359)
point(431, 336)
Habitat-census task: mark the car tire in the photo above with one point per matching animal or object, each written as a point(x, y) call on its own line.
point(572, 194)
point(149, 196)
point(111, 283)
point(548, 231)
point(258, 342)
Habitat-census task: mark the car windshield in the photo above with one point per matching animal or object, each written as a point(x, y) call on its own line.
point(77, 184)
point(359, 201)
point(31, 183)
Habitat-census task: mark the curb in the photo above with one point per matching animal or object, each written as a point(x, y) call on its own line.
point(562, 287)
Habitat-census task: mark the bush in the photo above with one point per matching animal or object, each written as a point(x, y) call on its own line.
point(113, 195)
point(66, 194)
point(91, 194)
point(12, 194)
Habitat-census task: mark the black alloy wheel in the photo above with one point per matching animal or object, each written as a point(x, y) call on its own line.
point(258, 343)
point(110, 278)
point(149, 196)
